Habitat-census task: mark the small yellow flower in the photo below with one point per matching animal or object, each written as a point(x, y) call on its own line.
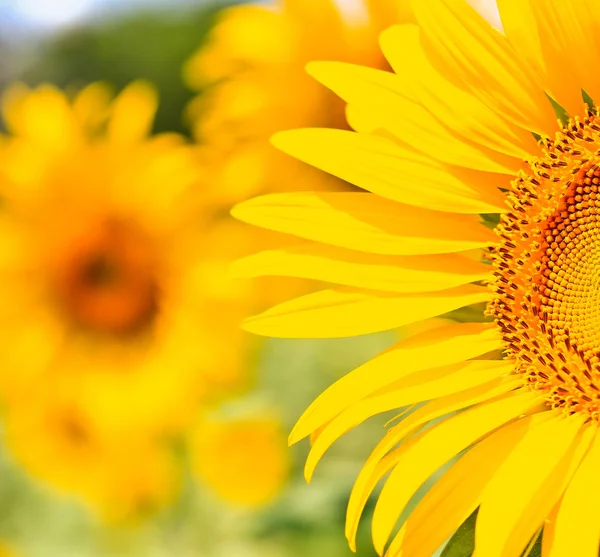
point(243, 460)
point(253, 69)
point(464, 126)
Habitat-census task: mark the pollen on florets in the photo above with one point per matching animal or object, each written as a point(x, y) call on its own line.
point(547, 270)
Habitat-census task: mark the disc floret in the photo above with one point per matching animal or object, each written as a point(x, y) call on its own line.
point(547, 277)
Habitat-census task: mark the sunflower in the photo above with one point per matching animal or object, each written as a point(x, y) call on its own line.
point(459, 149)
point(114, 296)
point(252, 74)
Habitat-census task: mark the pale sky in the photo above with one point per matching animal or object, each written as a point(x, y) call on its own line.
point(52, 14)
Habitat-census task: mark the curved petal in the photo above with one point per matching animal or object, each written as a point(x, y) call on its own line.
point(425, 385)
point(389, 169)
point(133, 113)
point(392, 107)
point(441, 346)
point(344, 311)
point(381, 460)
point(365, 222)
point(456, 494)
point(557, 40)
point(529, 483)
point(460, 110)
point(470, 52)
point(575, 529)
point(420, 273)
point(424, 454)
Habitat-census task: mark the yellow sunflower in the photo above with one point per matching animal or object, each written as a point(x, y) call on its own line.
point(113, 285)
point(466, 125)
point(106, 261)
point(252, 73)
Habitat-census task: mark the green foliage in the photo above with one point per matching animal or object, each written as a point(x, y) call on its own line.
point(588, 100)
point(462, 542)
point(535, 549)
point(560, 111)
point(148, 45)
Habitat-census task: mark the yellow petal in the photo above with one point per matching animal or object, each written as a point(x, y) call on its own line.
point(417, 387)
point(575, 530)
point(42, 115)
point(556, 49)
point(91, 106)
point(392, 108)
point(528, 484)
point(380, 462)
point(389, 169)
point(364, 270)
point(458, 109)
point(365, 222)
point(441, 346)
point(424, 454)
point(470, 52)
point(344, 311)
point(456, 494)
point(133, 113)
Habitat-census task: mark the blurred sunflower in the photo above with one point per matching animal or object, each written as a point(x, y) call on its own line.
point(252, 75)
point(243, 460)
point(114, 294)
point(466, 126)
point(121, 476)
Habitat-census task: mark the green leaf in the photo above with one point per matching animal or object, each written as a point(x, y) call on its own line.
point(588, 100)
point(491, 220)
point(462, 542)
point(560, 111)
point(534, 549)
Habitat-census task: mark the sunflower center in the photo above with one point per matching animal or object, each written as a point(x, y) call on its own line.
point(547, 284)
point(74, 430)
point(105, 279)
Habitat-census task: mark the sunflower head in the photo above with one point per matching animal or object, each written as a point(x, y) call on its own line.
point(102, 230)
point(501, 409)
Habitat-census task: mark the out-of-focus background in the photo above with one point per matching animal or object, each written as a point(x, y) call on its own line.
point(71, 44)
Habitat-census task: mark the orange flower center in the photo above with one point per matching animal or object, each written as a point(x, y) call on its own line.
point(548, 270)
point(105, 279)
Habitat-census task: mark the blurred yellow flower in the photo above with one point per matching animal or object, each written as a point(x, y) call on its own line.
point(243, 460)
point(114, 294)
point(122, 476)
point(252, 70)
